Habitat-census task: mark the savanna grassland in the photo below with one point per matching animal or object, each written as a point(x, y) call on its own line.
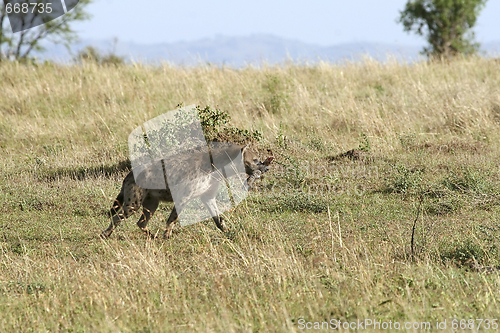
point(323, 236)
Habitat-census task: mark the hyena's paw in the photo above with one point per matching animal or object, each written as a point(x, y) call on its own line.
point(106, 233)
point(221, 225)
point(224, 228)
point(149, 234)
point(168, 233)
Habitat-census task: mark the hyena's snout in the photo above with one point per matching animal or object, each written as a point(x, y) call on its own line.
point(263, 167)
point(258, 170)
point(262, 170)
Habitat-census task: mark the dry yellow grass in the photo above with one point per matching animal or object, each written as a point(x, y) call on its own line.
point(323, 238)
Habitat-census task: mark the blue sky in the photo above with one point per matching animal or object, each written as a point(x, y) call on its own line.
point(323, 22)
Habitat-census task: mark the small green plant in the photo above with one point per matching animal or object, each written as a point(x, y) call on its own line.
point(214, 123)
point(364, 144)
point(316, 142)
point(407, 140)
point(277, 100)
point(242, 135)
point(281, 138)
point(169, 133)
point(467, 181)
point(441, 207)
point(462, 252)
point(379, 88)
point(30, 203)
point(404, 180)
point(53, 150)
point(35, 288)
point(294, 174)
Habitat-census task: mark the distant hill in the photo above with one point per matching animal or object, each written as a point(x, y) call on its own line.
point(254, 49)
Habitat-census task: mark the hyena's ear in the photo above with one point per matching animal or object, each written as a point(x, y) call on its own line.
point(244, 148)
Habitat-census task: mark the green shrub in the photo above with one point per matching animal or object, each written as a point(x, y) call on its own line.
point(215, 125)
point(441, 207)
point(463, 252)
point(404, 180)
point(364, 144)
point(407, 141)
point(92, 54)
point(277, 98)
point(467, 181)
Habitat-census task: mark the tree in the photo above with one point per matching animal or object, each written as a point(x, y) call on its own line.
point(18, 46)
point(446, 23)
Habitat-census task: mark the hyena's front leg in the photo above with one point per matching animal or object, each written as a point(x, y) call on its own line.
point(211, 205)
point(172, 219)
point(149, 207)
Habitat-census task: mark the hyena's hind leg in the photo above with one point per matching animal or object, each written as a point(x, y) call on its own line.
point(117, 219)
point(128, 207)
point(149, 207)
point(172, 219)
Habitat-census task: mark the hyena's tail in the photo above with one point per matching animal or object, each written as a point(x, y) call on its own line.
point(117, 205)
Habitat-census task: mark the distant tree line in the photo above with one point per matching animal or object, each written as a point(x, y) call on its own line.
point(446, 24)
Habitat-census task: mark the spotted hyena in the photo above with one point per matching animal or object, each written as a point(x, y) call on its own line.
point(200, 179)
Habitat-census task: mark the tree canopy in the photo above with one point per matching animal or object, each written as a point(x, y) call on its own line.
point(20, 45)
point(447, 25)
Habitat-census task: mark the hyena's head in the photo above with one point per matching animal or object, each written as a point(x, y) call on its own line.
point(255, 168)
point(225, 153)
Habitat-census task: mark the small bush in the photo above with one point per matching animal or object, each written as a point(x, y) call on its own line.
point(364, 144)
point(316, 143)
point(463, 252)
point(215, 127)
point(277, 100)
point(294, 173)
point(407, 141)
point(441, 208)
point(92, 54)
point(404, 180)
point(281, 139)
point(468, 181)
